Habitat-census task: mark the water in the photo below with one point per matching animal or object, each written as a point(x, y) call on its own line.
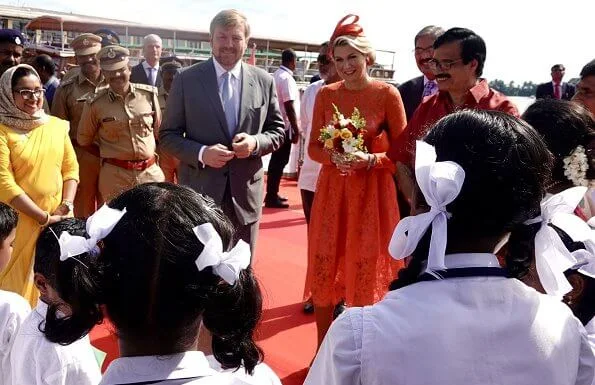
point(522, 102)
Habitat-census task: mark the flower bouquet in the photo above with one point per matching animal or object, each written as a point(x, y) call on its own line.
point(343, 137)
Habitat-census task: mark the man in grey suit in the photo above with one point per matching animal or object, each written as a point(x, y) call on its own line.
point(147, 72)
point(222, 116)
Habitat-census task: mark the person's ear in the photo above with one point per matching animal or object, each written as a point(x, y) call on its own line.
point(41, 283)
point(578, 287)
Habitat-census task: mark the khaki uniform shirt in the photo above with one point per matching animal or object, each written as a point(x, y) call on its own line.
point(126, 126)
point(162, 96)
point(70, 98)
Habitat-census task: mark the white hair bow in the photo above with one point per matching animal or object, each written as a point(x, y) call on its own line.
point(552, 258)
point(440, 183)
point(98, 226)
point(226, 264)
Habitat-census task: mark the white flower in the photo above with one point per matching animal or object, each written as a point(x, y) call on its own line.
point(344, 122)
point(576, 166)
point(349, 145)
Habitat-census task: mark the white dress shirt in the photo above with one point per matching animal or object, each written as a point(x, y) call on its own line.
point(310, 169)
point(37, 361)
point(287, 90)
point(236, 85)
point(13, 311)
point(146, 67)
point(472, 331)
point(263, 374)
point(176, 369)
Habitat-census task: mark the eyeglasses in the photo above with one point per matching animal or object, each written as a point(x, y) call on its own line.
point(445, 65)
point(323, 60)
point(27, 94)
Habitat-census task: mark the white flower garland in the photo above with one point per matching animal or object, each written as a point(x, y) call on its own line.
point(576, 166)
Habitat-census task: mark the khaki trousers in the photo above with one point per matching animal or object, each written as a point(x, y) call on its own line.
point(113, 179)
point(87, 198)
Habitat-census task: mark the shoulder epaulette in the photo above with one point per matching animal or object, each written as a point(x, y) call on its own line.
point(145, 87)
point(92, 98)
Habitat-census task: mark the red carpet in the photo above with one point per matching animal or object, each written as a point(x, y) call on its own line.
point(287, 336)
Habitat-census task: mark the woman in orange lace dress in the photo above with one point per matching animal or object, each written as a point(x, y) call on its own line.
point(355, 208)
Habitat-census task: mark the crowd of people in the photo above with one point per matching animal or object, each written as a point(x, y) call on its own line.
point(450, 239)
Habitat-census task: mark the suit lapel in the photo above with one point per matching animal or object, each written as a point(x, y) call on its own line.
point(245, 94)
point(211, 87)
point(142, 70)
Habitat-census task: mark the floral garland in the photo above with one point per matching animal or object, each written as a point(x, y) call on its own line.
point(576, 166)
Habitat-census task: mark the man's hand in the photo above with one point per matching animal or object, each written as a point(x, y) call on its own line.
point(243, 145)
point(216, 156)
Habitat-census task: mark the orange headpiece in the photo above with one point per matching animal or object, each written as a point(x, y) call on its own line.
point(347, 29)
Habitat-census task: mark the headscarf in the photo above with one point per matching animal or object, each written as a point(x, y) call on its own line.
point(10, 115)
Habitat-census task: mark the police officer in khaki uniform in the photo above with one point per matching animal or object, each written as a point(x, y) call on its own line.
point(126, 117)
point(169, 69)
point(68, 104)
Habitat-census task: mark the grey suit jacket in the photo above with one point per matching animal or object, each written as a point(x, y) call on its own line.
point(194, 118)
point(139, 75)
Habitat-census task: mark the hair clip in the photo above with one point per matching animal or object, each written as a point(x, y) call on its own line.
point(226, 264)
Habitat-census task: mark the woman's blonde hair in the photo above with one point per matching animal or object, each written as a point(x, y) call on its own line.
point(230, 18)
point(359, 43)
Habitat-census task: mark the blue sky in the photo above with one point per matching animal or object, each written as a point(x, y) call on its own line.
point(524, 38)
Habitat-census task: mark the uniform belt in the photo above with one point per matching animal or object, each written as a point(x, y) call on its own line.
point(138, 165)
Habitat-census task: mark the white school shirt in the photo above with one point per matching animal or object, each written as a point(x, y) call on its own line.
point(37, 361)
point(13, 311)
point(310, 169)
point(189, 368)
point(590, 328)
point(263, 374)
point(472, 331)
point(287, 90)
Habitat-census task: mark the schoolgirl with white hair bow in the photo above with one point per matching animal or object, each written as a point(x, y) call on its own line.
point(165, 265)
point(565, 256)
point(456, 315)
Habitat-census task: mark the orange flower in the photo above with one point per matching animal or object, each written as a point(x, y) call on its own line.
point(336, 133)
point(329, 144)
point(346, 134)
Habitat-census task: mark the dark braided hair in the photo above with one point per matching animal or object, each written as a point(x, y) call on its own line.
point(152, 289)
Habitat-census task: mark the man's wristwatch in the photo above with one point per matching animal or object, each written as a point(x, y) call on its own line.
point(68, 204)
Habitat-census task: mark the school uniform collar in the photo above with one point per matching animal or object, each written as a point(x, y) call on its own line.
point(463, 260)
point(590, 327)
point(41, 308)
point(125, 370)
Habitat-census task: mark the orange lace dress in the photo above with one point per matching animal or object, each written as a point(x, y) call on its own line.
point(353, 217)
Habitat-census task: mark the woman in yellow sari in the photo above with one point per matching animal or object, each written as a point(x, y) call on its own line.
point(38, 171)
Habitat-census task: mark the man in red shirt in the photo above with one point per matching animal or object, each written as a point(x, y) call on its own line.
point(458, 60)
point(459, 56)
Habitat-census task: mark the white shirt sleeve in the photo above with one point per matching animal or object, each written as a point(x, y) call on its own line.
point(284, 90)
point(202, 150)
point(586, 361)
point(339, 359)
